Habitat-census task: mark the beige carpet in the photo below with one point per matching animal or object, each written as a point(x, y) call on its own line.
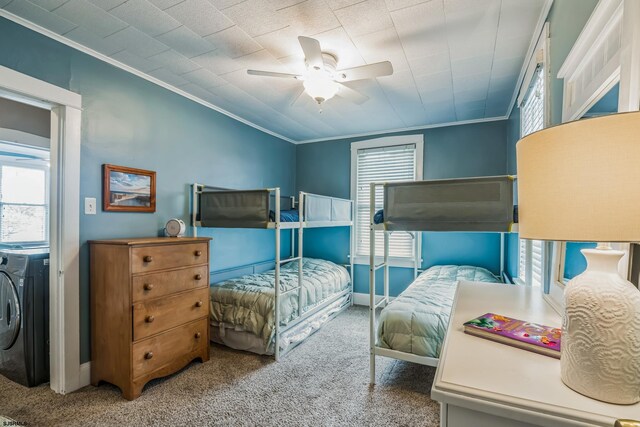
point(324, 381)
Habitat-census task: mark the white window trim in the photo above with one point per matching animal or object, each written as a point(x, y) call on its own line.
point(47, 183)
point(418, 140)
point(64, 218)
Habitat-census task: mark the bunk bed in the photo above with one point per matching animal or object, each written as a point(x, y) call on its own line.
point(248, 311)
point(413, 325)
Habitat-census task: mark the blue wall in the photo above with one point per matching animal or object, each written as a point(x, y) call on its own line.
point(449, 152)
point(129, 121)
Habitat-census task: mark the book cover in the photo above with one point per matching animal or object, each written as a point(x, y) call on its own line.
point(519, 333)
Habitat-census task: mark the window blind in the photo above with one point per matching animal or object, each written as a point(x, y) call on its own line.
point(531, 120)
point(532, 108)
point(382, 164)
point(536, 263)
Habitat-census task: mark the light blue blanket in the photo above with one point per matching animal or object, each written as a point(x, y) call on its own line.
point(416, 321)
point(247, 303)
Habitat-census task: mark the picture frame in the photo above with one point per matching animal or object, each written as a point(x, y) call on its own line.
point(127, 189)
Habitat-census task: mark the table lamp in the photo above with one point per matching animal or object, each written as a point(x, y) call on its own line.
point(580, 181)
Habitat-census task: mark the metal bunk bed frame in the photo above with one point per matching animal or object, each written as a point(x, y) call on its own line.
point(300, 225)
point(374, 350)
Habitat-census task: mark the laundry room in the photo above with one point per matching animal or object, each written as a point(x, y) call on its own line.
point(24, 242)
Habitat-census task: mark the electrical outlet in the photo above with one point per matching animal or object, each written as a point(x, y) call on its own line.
point(90, 205)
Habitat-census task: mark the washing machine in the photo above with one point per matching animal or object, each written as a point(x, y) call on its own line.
point(24, 315)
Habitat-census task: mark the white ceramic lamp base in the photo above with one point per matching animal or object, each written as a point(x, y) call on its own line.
point(600, 355)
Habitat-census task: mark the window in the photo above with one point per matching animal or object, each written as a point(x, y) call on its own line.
point(531, 263)
point(532, 109)
point(383, 160)
point(24, 211)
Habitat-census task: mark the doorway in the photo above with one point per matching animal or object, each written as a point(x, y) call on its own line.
point(61, 224)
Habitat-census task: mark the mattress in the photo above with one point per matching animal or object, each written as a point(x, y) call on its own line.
point(416, 322)
point(246, 304)
point(290, 215)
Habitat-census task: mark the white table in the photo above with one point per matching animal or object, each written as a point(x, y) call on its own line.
point(482, 383)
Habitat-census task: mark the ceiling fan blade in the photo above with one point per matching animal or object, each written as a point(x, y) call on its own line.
point(352, 95)
point(312, 52)
point(370, 71)
point(273, 74)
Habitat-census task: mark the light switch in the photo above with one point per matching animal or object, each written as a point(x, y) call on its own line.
point(90, 205)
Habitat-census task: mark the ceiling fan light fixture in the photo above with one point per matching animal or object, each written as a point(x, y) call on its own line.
point(320, 86)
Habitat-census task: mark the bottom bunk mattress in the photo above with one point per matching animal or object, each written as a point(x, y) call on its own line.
point(242, 309)
point(416, 321)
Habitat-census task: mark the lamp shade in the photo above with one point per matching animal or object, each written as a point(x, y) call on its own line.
point(580, 181)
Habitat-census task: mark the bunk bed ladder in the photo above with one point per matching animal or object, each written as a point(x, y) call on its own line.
point(276, 286)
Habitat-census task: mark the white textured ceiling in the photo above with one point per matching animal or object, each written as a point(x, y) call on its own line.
point(453, 60)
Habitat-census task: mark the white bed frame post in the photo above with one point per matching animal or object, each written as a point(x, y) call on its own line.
point(372, 285)
point(352, 250)
point(300, 249)
point(277, 277)
point(386, 267)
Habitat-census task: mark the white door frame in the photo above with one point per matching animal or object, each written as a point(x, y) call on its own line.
point(64, 222)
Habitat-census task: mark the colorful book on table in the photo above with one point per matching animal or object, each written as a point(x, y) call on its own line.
point(517, 333)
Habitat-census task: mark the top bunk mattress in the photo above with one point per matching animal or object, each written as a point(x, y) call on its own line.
point(416, 322)
point(247, 303)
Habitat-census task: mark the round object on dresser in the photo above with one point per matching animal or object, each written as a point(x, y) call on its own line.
point(600, 352)
point(175, 228)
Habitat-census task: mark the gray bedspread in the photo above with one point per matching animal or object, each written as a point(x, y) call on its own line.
point(247, 303)
point(416, 321)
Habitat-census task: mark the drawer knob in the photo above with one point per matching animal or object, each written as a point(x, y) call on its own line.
point(198, 276)
point(198, 253)
point(148, 286)
point(147, 258)
point(198, 335)
point(149, 319)
point(148, 355)
point(199, 304)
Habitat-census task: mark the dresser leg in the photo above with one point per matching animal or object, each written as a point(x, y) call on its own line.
point(133, 391)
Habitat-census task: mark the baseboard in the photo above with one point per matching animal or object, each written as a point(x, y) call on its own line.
point(363, 299)
point(85, 374)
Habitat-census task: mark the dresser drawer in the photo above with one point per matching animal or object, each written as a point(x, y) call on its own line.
point(155, 285)
point(153, 353)
point(155, 316)
point(152, 258)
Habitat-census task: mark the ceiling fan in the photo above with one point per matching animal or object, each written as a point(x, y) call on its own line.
point(322, 80)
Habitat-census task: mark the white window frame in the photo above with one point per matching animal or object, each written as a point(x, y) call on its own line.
point(539, 56)
point(47, 204)
point(418, 140)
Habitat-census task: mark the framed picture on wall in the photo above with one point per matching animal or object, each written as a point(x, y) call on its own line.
point(128, 190)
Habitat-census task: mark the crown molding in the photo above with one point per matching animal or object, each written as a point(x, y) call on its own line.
point(542, 19)
point(407, 129)
point(59, 38)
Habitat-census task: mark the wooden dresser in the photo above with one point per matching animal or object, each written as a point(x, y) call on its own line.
point(149, 309)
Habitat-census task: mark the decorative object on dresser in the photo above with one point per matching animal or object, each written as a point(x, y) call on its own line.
point(128, 189)
point(579, 182)
point(149, 309)
point(175, 228)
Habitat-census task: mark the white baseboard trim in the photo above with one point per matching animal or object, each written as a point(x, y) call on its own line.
point(85, 374)
point(363, 299)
